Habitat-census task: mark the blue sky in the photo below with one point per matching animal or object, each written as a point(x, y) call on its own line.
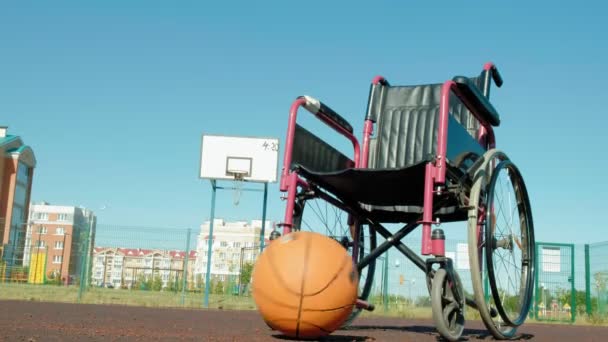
point(114, 96)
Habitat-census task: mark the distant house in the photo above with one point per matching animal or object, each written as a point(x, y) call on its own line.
point(64, 235)
point(233, 243)
point(124, 267)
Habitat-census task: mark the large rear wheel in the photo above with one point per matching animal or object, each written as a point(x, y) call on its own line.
point(501, 245)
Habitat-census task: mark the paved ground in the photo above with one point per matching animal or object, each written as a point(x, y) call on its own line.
point(35, 321)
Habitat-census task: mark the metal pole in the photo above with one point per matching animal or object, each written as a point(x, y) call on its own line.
point(83, 270)
point(573, 288)
point(587, 280)
point(210, 246)
point(385, 283)
point(185, 270)
point(241, 271)
point(263, 218)
point(536, 281)
point(62, 264)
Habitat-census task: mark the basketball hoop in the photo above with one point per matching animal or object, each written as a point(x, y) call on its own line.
point(239, 179)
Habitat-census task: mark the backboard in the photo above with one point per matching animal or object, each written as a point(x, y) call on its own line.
point(255, 159)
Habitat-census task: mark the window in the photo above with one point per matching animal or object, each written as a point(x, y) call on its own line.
point(60, 231)
point(222, 256)
point(23, 173)
point(42, 216)
point(57, 259)
point(41, 244)
point(235, 256)
point(42, 230)
point(236, 244)
point(62, 217)
point(224, 244)
point(58, 244)
point(20, 195)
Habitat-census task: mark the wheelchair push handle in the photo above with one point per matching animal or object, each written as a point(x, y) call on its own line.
point(318, 108)
point(493, 70)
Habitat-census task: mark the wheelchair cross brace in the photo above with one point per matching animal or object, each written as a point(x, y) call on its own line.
point(391, 240)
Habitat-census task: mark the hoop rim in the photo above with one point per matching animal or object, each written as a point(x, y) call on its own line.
point(238, 174)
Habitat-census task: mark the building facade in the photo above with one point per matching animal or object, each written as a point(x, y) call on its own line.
point(129, 268)
point(233, 244)
point(17, 163)
point(59, 241)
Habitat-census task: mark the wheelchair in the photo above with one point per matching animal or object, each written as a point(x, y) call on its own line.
point(428, 156)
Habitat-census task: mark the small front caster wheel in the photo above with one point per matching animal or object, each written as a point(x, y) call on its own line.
point(447, 302)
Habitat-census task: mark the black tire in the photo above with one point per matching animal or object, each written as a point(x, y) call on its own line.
point(448, 313)
point(337, 228)
point(479, 231)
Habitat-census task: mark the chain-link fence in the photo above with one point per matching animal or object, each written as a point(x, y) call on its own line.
point(555, 282)
point(168, 267)
point(596, 271)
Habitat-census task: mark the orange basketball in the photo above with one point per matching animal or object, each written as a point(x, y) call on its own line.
point(305, 285)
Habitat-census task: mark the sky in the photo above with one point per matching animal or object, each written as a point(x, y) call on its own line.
point(114, 96)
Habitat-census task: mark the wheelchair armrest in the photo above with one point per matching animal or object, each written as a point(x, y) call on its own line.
point(318, 108)
point(468, 92)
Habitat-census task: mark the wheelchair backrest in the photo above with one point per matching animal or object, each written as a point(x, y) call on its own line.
point(406, 125)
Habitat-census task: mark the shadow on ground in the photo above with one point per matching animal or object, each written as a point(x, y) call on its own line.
point(330, 338)
point(430, 330)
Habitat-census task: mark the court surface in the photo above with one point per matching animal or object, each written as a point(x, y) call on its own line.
point(36, 321)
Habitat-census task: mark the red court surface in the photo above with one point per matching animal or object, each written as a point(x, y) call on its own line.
point(36, 321)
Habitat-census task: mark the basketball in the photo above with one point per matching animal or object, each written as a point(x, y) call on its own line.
point(305, 285)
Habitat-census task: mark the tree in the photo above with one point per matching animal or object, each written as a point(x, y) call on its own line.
point(217, 286)
point(246, 272)
point(157, 283)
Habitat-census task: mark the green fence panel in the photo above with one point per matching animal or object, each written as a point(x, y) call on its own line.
point(596, 260)
point(555, 293)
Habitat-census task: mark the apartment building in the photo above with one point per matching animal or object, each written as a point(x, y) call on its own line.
point(17, 163)
point(125, 267)
point(233, 243)
point(63, 236)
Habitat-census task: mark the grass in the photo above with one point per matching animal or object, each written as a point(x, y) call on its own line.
point(194, 300)
point(69, 294)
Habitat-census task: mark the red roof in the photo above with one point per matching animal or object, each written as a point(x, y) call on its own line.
point(134, 252)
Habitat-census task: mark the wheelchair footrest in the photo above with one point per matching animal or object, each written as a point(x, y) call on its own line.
point(361, 304)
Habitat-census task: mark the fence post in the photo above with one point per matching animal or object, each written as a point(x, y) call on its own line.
point(210, 247)
point(587, 281)
point(385, 283)
point(537, 258)
point(573, 289)
point(83, 265)
point(185, 267)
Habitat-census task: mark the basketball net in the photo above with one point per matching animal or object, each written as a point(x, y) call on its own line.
point(238, 187)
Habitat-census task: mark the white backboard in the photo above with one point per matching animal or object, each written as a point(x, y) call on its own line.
point(259, 157)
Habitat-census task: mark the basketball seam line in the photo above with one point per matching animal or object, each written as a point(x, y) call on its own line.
point(304, 274)
point(336, 275)
point(286, 286)
point(272, 300)
point(307, 322)
point(279, 277)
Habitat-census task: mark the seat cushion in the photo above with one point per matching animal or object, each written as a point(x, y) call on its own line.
point(373, 186)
